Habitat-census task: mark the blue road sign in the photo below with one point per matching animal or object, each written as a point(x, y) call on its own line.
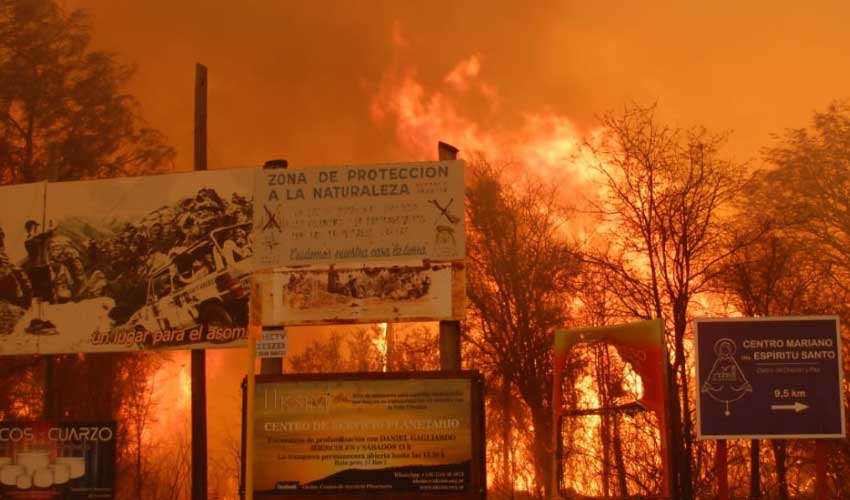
point(769, 378)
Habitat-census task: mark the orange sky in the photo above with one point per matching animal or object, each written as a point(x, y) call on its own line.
point(302, 79)
point(295, 79)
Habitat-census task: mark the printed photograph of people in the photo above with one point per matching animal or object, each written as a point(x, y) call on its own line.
point(19, 266)
point(320, 293)
point(123, 264)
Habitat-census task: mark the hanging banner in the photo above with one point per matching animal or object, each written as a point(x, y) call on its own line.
point(378, 433)
point(640, 344)
point(41, 460)
point(336, 215)
point(366, 294)
point(136, 263)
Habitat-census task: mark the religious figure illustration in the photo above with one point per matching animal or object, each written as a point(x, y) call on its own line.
point(726, 382)
point(444, 239)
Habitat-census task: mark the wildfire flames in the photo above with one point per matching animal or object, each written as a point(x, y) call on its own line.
point(548, 144)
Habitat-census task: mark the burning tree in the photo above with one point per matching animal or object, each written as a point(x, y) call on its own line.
point(62, 104)
point(809, 184)
point(802, 266)
point(666, 191)
point(63, 107)
point(521, 273)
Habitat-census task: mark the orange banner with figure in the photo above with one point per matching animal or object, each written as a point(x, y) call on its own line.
point(640, 344)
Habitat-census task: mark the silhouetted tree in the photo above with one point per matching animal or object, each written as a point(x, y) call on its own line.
point(808, 185)
point(63, 104)
point(664, 192)
point(341, 351)
point(520, 280)
point(803, 267)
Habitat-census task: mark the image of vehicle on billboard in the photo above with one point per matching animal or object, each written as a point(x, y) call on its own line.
point(129, 264)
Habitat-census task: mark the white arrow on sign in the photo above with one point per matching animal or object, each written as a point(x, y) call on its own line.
point(797, 407)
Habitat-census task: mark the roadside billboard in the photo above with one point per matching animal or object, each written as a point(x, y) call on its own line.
point(337, 215)
point(359, 434)
point(71, 460)
point(128, 264)
point(769, 378)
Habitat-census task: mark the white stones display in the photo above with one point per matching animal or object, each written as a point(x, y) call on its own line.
point(34, 469)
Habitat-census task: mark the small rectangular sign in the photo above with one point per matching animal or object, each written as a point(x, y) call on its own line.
point(362, 213)
point(272, 343)
point(769, 378)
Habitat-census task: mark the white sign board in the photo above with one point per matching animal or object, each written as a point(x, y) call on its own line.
point(351, 214)
point(272, 343)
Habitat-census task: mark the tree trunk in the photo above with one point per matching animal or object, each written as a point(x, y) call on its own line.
point(679, 458)
point(138, 463)
point(29, 151)
point(605, 436)
point(507, 444)
point(543, 452)
point(684, 440)
point(618, 458)
point(780, 454)
point(755, 474)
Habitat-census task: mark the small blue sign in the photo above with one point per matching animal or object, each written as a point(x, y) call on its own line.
point(769, 378)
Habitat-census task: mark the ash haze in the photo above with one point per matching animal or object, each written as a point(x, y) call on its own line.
point(320, 82)
point(296, 79)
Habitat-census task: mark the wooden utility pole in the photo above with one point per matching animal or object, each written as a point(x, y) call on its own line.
point(199, 356)
point(449, 330)
point(272, 366)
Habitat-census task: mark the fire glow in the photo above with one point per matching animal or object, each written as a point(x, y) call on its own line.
point(546, 143)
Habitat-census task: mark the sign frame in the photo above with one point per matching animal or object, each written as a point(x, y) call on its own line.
point(840, 374)
point(478, 475)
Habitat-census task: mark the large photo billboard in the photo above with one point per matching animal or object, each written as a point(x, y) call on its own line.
point(359, 435)
point(362, 213)
point(128, 264)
